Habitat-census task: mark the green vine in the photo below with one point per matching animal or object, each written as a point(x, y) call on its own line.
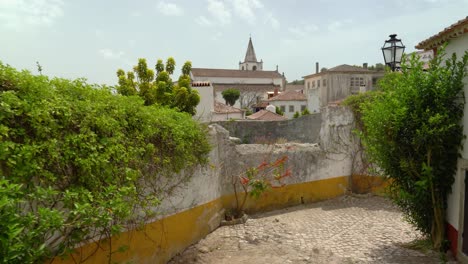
point(79, 163)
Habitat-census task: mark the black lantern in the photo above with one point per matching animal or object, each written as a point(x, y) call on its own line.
point(393, 51)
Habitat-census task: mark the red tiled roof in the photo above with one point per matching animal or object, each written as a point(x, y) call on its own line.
point(289, 96)
point(453, 31)
point(223, 108)
point(294, 87)
point(243, 87)
point(266, 116)
point(204, 72)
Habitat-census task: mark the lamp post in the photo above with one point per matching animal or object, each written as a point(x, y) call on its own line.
point(393, 51)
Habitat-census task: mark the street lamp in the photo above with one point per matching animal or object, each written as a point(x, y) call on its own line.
point(393, 51)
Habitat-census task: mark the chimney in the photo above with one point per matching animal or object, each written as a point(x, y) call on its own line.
point(276, 67)
point(364, 65)
point(316, 67)
point(275, 92)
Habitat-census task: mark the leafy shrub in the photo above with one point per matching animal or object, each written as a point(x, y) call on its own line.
point(296, 115)
point(78, 162)
point(412, 131)
point(305, 112)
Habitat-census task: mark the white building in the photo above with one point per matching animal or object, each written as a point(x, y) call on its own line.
point(457, 212)
point(250, 79)
point(289, 102)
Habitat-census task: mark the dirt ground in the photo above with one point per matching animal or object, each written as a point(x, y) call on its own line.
point(347, 229)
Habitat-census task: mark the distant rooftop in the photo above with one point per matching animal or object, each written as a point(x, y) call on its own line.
point(343, 68)
point(266, 116)
point(204, 72)
point(290, 95)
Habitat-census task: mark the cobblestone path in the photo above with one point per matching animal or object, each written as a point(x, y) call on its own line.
point(342, 230)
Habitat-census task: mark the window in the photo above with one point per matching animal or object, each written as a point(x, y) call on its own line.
point(357, 82)
point(318, 83)
point(254, 68)
point(242, 67)
point(291, 108)
point(324, 82)
point(308, 85)
point(313, 83)
point(303, 107)
point(283, 108)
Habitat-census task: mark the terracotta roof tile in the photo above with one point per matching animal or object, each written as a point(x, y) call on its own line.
point(266, 116)
point(203, 72)
point(223, 108)
point(294, 87)
point(289, 96)
point(450, 32)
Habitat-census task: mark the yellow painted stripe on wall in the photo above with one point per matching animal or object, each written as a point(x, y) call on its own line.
point(159, 241)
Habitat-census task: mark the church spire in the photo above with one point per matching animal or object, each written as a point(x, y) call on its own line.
point(250, 61)
point(250, 54)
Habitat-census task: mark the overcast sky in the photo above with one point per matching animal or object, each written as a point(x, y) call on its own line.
point(93, 38)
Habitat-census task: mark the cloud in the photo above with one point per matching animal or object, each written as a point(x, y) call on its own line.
point(17, 14)
point(338, 24)
point(303, 31)
point(216, 36)
point(110, 54)
point(203, 21)
point(219, 12)
point(169, 9)
point(246, 9)
point(271, 20)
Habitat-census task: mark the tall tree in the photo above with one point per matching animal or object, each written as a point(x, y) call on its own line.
point(230, 96)
point(158, 87)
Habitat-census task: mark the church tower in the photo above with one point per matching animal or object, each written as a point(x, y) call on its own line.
point(250, 61)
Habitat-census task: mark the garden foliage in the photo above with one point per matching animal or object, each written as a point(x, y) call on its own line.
point(158, 88)
point(412, 131)
point(78, 162)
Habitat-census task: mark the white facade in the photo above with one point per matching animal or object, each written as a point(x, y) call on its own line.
point(454, 214)
point(227, 116)
point(206, 106)
point(290, 107)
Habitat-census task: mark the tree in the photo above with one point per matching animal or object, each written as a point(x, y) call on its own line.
point(230, 96)
point(158, 88)
point(412, 132)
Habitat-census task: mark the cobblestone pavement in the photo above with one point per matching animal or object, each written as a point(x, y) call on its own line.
point(347, 229)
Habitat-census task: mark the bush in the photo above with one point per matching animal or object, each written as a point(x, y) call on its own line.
point(79, 163)
point(305, 112)
point(296, 115)
point(412, 131)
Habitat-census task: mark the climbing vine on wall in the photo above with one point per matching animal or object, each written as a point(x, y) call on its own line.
point(79, 163)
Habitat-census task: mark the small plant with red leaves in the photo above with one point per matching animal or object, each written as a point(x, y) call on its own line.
point(256, 180)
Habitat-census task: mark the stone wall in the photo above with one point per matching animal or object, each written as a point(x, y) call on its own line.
point(304, 129)
point(319, 171)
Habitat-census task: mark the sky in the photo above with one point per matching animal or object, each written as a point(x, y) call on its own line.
point(94, 38)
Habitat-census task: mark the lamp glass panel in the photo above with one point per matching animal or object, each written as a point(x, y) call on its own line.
point(388, 55)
